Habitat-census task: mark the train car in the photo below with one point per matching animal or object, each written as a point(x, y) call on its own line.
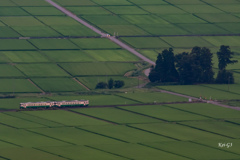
point(59, 104)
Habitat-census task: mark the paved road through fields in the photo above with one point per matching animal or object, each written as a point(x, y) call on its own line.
point(104, 35)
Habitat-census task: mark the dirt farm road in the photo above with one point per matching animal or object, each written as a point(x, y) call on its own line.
point(104, 35)
point(130, 49)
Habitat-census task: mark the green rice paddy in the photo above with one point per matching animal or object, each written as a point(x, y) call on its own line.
point(44, 51)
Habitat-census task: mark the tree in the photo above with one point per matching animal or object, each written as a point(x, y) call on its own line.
point(196, 66)
point(225, 77)
point(224, 57)
point(165, 70)
point(118, 83)
point(110, 83)
point(101, 85)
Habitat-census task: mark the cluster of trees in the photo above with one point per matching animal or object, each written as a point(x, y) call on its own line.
point(193, 67)
point(111, 84)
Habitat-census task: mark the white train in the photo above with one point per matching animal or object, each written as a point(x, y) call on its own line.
point(54, 104)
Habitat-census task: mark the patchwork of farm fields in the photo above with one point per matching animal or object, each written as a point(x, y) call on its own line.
point(42, 50)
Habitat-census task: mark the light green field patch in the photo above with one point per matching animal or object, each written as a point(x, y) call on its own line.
point(7, 70)
point(198, 90)
point(126, 10)
point(74, 152)
point(3, 57)
point(69, 56)
point(125, 133)
point(17, 122)
point(123, 30)
point(31, 3)
point(182, 18)
point(112, 55)
point(112, 2)
point(32, 118)
point(39, 70)
point(234, 88)
point(25, 138)
point(74, 30)
point(152, 97)
point(53, 44)
point(106, 20)
point(184, 133)
point(7, 3)
point(75, 3)
point(231, 27)
point(151, 54)
point(229, 8)
point(185, 2)
point(43, 11)
point(15, 44)
point(28, 154)
point(97, 99)
point(94, 43)
point(116, 115)
point(218, 127)
point(109, 68)
point(143, 2)
point(137, 151)
point(76, 136)
point(146, 42)
point(186, 42)
point(88, 10)
point(8, 32)
point(91, 82)
point(193, 150)
point(163, 9)
point(12, 11)
point(221, 1)
point(65, 117)
point(223, 40)
point(58, 84)
point(199, 8)
point(209, 110)
point(165, 113)
point(25, 56)
point(57, 20)
point(163, 29)
point(218, 17)
point(203, 29)
point(17, 85)
point(144, 19)
point(21, 21)
point(36, 31)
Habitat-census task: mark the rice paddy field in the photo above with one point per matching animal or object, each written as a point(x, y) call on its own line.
point(48, 56)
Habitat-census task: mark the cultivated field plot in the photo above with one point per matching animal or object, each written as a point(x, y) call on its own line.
point(93, 10)
point(201, 91)
point(17, 85)
point(137, 151)
point(116, 115)
point(125, 133)
point(105, 69)
point(66, 118)
point(184, 133)
point(164, 113)
point(58, 84)
point(208, 110)
point(7, 70)
point(15, 44)
point(193, 150)
point(23, 56)
point(96, 100)
point(233, 88)
point(42, 70)
point(218, 127)
point(152, 97)
point(91, 82)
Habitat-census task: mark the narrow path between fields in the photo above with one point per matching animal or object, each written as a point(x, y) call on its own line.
point(104, 35)
point(81, 84)
point(123, 45)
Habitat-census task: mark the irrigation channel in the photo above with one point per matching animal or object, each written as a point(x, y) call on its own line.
point(123, 45)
